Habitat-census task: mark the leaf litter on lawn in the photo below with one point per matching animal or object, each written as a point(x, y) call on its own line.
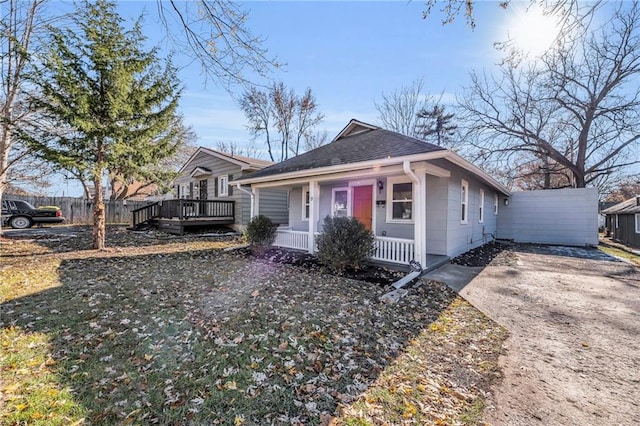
point(185, 333)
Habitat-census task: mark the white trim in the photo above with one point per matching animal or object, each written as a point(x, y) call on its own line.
point(199, 172)
point(244, 165)
point(464, 202)
point(393, 180)
point(496, 201)
point(223, 186)
point(353, 123)
point(481, 207)
point(348, 207)
point(637, 218)
point(303, 214)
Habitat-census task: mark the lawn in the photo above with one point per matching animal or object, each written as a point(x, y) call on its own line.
point(175, 330)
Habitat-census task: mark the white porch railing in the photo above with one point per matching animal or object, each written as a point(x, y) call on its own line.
point(395, 250)
point(292, 239)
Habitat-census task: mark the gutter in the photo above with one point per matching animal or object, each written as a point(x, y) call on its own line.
point(251, 194)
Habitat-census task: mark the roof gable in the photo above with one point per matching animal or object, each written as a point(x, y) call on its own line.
point(245, 163)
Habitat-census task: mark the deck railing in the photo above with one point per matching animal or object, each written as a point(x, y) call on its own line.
point(184, 209)
point(395, 250)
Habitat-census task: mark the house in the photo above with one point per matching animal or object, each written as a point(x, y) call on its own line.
point(623, 222)
point(421, 201)
point(202, 195)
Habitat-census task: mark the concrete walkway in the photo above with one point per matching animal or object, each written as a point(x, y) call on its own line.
point(573, 355)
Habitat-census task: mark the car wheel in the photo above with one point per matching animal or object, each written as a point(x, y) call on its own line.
point(20, 222)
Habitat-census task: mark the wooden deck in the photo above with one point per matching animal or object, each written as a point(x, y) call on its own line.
point(175, 216)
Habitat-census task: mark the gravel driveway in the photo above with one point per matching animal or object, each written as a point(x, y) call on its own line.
point(573, 357)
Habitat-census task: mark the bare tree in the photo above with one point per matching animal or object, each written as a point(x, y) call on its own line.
point(280, 113)
point(315, 140)
point(215, 34)
point(399, 110)
point(234, 149)
point(20, 20)
point(578, 108)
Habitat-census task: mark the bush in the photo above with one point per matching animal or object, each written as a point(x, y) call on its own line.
point(344, 243)
point(261, 232)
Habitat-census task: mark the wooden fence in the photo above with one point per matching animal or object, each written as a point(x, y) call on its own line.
point(80, 211)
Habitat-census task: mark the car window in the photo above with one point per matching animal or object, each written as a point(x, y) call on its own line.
point(24, 205)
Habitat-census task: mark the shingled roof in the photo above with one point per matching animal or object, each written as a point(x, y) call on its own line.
point(371, 144)
point(629, 206)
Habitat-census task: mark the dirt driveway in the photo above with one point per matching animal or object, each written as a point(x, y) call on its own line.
point(573, 357)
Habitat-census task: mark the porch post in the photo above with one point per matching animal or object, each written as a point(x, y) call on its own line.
point(255, 202)
point(314, 212)
point(420, 229)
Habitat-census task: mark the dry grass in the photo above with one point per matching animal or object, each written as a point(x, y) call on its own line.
point(161, 330)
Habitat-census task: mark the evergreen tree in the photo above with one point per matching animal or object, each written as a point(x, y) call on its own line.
point(106, 104)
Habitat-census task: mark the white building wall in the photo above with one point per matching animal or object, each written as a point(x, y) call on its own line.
point(553, 216)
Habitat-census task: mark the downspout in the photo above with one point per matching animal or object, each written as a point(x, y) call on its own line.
point(246, 191)
point(418, 231)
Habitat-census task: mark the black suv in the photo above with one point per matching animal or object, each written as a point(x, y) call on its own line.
point(21, 214)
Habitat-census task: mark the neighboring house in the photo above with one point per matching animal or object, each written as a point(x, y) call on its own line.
point(623, 222)
point(421, 201)
point(203, 196)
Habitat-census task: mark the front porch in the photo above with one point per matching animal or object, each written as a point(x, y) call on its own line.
point(388, 251)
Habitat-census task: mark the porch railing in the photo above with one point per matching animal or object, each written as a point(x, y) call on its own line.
point(298, 240)
point(395, 250)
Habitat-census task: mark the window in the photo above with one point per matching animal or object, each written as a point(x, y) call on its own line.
point(340, 202)
point(464, 201)
point(637, 223)
point(481, 209)
point(399, 200)
point(223, 186)
point(305, 203)
point(495, 203)
point(616, 221)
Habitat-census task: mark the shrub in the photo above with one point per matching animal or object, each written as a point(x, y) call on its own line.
point(261, 232)
point(344, 243)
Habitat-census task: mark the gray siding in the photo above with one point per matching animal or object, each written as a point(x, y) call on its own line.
point(389, 229)
point(436, 211)
point(626, 230)
point(273, 204)
point(554, 216)
point(462, 237)
point(295, 211)
point(275, 201)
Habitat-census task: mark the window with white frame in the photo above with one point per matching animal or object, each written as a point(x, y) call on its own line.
point(637, 223)
point(340, 202)
point(464, 201)
point(481, 208)
point(616, 221)
point(305, 203)
point(495, 203)
point(399, 200)
point(223, 186)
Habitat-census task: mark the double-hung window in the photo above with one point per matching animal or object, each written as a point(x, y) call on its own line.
point(305, 203)
point(399, 200)
point(464, 201)
point(223, 186)
point(637, 223)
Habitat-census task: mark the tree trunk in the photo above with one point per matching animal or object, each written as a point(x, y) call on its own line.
point(98, 215)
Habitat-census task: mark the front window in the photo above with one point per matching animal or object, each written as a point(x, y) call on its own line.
point(223, 186)
point(305, 203)
point(400, 200)
point(637, 223)
point(340, 202)
point(464, 201)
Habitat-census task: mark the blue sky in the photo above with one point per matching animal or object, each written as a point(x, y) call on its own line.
point(348, 53)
